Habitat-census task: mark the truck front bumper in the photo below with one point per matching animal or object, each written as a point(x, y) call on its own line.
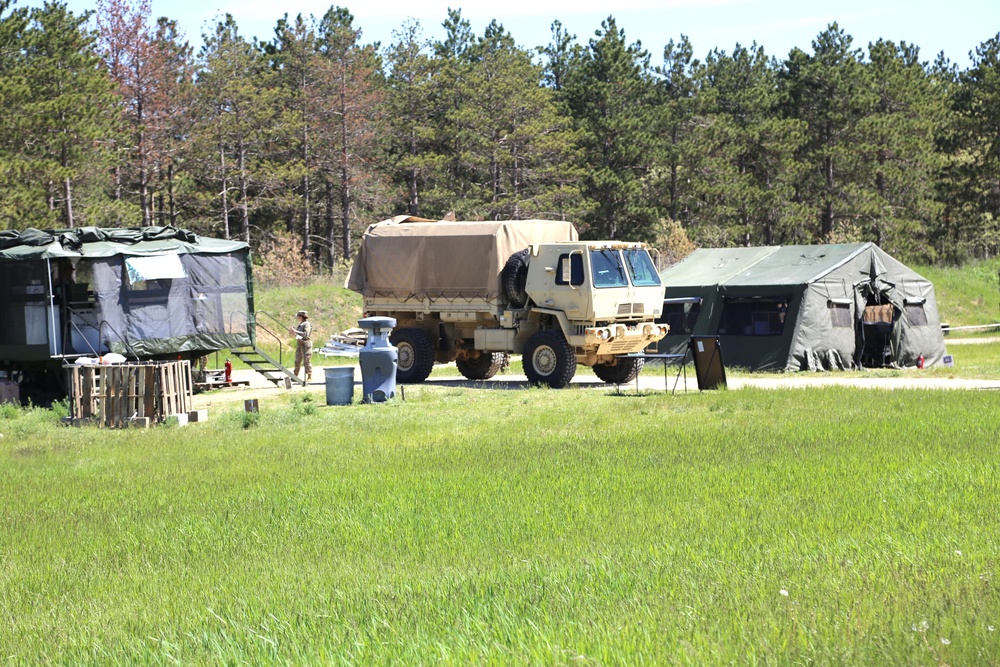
point(617, 339)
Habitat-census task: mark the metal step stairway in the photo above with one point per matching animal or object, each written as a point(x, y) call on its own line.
point(266, 365)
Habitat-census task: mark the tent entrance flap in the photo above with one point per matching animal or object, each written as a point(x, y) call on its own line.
point(876, 329)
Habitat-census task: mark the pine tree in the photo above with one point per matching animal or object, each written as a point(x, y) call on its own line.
point(745, 182)
point(20, 199)
point(900, 136)
point(306, 98)
point(60, 122)
point(610, 98)
point(237, 105)
point(831, 92)
point(969, 185)
point(354, 71)
point(676, 118)
point(147, 62)
point(510, 134)
point(411, 114)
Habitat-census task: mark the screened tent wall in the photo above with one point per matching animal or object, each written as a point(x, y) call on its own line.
point(173, 303)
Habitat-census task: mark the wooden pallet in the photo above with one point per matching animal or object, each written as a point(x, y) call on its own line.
point(117, 394)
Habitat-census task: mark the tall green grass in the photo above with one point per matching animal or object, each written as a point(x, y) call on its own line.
point(512, 527)
point(969, 294)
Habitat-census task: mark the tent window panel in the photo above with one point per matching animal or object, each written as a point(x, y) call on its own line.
point(753, 317)
point(157, 267)
point(840, 315)
point(23, 312)
point(916, 314)
point(680, 317)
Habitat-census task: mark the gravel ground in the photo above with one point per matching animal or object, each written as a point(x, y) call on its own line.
point(263, 389)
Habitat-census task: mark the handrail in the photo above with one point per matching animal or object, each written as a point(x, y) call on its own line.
point(84, 338)
point(272, 318)
point(281, 346)
point(100, 328)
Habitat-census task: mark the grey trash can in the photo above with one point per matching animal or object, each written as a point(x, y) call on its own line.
point(339, 385)
point(378, 359)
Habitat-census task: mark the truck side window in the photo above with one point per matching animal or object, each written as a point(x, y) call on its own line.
point(575, 269)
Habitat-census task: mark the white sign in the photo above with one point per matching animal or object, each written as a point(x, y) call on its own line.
point(949, 361)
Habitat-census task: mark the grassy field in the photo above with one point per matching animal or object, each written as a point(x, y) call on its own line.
point(967, 295)
point(518, 527)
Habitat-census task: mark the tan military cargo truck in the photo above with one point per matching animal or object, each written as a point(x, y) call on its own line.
point(475, 292)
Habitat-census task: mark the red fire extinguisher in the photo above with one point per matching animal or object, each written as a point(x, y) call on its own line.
point(229, 369)
point(920, 361)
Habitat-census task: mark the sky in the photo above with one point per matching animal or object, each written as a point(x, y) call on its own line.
point(955, 27)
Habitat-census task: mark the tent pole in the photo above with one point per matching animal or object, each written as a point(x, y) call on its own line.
point(53, 340)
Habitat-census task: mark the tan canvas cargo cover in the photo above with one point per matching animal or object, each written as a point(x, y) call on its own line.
point(410, 258)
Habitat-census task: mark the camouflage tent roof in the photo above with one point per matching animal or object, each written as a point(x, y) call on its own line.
point(98, 242)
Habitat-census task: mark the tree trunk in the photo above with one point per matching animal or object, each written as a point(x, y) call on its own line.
point(68, 194)
point(345, 182)
point(170, 194)
point(225, 195)
point(673, 178)
point(244, 189)
point(67, 191)
point(414, 207)
point(145, 201)
point(331, 227)
point(160, 213)
point(306, 200)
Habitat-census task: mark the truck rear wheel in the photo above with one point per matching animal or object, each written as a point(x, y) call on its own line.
point(514, 279)
point(624, 370)
point(415, 355)
point(548, 359)
point(483, 367)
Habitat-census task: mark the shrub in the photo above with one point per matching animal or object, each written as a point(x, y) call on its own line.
point(281, 262)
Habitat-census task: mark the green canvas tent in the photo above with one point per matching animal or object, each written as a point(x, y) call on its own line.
point(803, 307)
point(157, 292)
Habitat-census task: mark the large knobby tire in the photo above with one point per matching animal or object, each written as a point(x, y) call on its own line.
point(415, 355)
point(625, 369)
point(483, 367)
point(548, 359)
point(514, 279)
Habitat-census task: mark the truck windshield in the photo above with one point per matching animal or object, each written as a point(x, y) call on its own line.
point(608, 268)
point(640, 268)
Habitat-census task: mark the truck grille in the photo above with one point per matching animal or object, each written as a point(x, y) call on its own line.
point(631, 309)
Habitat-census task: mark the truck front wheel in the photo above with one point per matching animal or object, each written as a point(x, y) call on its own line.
point(415, 355)
point(548, 359)
point(483, 367)
point(625, 369)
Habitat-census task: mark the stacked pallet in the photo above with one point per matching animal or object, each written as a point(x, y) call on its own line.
point(119, 394)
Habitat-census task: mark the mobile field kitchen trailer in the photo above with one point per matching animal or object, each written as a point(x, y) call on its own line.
point(148, 294)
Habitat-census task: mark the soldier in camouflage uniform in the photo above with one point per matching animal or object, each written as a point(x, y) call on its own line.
point(303, 344)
